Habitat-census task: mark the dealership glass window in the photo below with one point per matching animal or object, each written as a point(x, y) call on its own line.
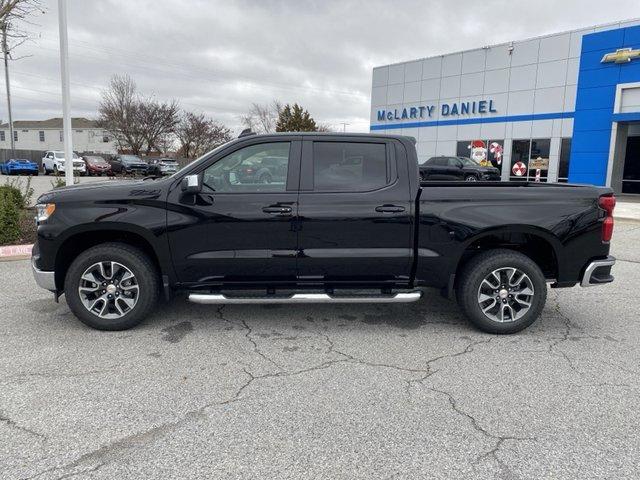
point(540, 148)
point(462, 149)
point(41, 135)
point(61, 136)
point(485, 152)
point(15, 135)
point(565, 152)
point(526, 151)
point(2, 136)
point(519, 153)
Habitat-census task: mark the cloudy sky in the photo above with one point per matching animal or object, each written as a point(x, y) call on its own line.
point(218, 57)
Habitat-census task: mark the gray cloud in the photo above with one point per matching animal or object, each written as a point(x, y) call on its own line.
point(218, 57)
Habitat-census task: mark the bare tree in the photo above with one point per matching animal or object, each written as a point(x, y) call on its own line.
point(136, 122)
point(12, 14)
point(158, 119)
point(262, 118)
point(119, 113)
point(197, 134)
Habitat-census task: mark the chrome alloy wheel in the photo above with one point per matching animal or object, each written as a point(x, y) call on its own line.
point(505, 295)
point(108, 289)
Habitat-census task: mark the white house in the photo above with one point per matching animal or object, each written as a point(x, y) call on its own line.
point(47, 135)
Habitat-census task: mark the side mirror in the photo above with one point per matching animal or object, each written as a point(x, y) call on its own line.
point(191, 184)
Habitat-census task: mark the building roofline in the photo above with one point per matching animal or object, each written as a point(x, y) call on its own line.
point(509, 42)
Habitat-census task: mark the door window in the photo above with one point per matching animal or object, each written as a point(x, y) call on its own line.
point(256, 168)
point(350, 167)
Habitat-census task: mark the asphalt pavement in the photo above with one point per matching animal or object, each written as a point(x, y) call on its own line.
point(323, 391)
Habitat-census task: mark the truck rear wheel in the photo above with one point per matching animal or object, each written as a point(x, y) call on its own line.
point(501, 291)
point(112, 286)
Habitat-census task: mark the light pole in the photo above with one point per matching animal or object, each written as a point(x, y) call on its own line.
point(5, 52)
point(66, 94)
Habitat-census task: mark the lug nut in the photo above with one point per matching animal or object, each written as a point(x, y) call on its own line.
point(109, 296)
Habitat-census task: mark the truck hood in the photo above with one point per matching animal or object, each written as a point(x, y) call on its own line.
point(107, 191)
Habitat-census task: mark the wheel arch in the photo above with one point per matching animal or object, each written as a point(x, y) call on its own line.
point(84, 237)
point(538, 244)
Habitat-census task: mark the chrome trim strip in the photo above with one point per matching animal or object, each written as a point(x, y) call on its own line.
point(46, 280)
point(215, 298)
point(608, 262)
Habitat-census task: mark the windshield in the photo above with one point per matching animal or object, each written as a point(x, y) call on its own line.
point(96, 160)
point(131, 159)
point(467, 162)
point(61, 155)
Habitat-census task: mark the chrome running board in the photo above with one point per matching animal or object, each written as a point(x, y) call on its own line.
point(217, 298)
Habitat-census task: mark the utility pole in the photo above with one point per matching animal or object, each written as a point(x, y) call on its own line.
point(5, 52)
point(344, 126)
point(66, 94)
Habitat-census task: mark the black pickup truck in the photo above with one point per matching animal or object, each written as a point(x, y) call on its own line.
point(349, 221)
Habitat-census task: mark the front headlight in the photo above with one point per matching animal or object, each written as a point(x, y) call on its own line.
point(44, 211)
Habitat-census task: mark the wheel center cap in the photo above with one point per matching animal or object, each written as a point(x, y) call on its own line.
point(111, 288)
point(504, 293)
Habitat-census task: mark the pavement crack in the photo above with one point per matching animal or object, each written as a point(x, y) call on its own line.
point(256, 349)
point(497, 440)
point(566, 333)
point(15, 426)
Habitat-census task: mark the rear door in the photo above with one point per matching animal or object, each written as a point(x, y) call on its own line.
point(355, 211)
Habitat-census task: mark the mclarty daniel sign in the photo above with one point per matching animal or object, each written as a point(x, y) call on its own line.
point(455, 109)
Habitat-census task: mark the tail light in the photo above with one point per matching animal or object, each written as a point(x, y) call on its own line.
point(607, 204)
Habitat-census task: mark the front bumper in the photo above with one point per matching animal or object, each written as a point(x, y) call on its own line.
point(598, 272)
point(82, 169)
point(18, 171)
point(44, 279)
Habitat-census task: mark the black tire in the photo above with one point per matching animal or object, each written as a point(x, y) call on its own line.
point(132, 258)
point(474, 272)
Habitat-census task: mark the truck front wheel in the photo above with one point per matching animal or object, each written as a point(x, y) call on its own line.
point(501, 291)
point(112, 286)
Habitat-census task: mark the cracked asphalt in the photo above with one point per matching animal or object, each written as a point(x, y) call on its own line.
point(323, 391)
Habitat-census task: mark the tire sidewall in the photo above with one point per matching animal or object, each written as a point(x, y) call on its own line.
point(131, 258)
point(482, 266)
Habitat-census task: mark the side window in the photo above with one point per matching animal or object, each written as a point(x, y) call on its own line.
point(454, 162)
point(256, 168)
point(350, 167)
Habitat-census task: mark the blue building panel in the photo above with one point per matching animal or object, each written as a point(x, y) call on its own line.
point(595, 98)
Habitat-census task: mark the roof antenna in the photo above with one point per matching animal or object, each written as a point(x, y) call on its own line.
point(246, 132)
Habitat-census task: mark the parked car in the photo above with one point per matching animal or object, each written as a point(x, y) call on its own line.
point(97, 165)
point(264, 170)
point(130, 164)
point(17, 166)
point(457, 169)
point(54, 162)
point(162, 166)
point(379, 236)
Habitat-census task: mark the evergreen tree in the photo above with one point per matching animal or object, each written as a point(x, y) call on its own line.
point(295, 119)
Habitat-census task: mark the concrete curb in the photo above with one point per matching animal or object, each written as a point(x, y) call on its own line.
point(15, 252)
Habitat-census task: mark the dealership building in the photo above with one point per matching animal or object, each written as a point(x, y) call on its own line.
point(561, 107)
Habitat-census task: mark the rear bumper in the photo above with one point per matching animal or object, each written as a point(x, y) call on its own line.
point(598, 272)
point(44, 279)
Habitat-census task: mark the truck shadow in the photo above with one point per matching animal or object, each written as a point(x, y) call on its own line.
point(432, 309)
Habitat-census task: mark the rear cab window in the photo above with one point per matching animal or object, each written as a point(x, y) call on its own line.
point(351, 166)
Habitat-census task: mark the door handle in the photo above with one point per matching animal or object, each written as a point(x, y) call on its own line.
point(389, 209)
point(278, 210)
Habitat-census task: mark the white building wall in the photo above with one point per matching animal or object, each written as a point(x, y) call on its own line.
point(533, 76)
point(84, 140)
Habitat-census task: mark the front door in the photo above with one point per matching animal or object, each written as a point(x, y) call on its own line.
point(241, 227)
point(355, 212)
